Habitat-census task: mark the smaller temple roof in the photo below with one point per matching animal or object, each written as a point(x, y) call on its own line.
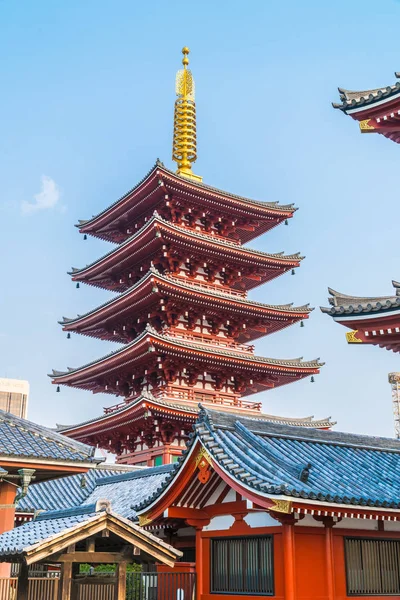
point(285, 461)
point(21, 539)
point(20, 438)
point(53, 531)
point(128, 489)
point(69, 491)
point(343, 305)
point(351, 99)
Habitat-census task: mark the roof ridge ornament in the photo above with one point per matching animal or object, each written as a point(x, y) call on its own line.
point(184, 145)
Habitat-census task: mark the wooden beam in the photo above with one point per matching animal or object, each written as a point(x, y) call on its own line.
point(23, 583)
point(91, 557)
point(47, 549)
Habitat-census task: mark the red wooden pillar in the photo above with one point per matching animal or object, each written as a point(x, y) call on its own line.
point(289, 558)
point(329, 523)
point(198, 524)
point(7, 515)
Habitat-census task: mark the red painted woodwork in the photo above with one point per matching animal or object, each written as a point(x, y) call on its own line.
point(7, 515)
point(183, 274)
point(181, 200)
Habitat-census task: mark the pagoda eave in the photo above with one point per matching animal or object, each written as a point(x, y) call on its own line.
point(165, 356)
point(118, 423)
point(155, 295)
point(113, 224)
point(118, 269)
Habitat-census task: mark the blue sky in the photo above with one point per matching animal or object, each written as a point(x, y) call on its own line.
point(86, 108)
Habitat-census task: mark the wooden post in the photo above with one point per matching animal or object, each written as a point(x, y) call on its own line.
point(7, 514)
point(288, 559)
point(64, 590)
point(120, 581)
point(23, 582)
point(198, 524)
point(328, 522)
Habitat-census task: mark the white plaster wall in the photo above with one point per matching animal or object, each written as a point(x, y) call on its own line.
point(213, 498)
point(260, 519)
point(219, 523)
point(366, 524)
point(309, 521)
point(392, 525)
point(230, 497)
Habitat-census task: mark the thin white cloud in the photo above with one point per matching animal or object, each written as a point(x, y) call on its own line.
point(48, 198)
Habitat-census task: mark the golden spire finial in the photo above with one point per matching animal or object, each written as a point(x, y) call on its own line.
point(184, 148)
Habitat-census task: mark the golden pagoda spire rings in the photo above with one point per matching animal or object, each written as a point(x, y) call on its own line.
point(184, 147)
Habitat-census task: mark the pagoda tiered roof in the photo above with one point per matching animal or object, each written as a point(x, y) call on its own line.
point(120, 421)
point(182, 273)
point(160, 185)
point(114, 270)
point(271, 372)
point(373, 320)
point(156, 291)
point(377, 110)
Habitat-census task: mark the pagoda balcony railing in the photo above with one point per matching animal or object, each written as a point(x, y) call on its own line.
point(209, 287)
point(211, 234)
point(186, 394)
point(210, 340)
point(194, 395)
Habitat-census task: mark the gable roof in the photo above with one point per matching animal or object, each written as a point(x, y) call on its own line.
point(271, 459)
point(40, 537)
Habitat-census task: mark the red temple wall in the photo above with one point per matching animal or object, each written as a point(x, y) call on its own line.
point(310, 559)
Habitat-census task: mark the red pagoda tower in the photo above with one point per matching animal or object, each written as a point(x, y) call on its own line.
point(182, 313)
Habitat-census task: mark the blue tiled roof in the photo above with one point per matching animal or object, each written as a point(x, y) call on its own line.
point(319, 465)
point(21, 538)
point(64, 492)
point(19, 437)
point(31, 537)
point(129, 489)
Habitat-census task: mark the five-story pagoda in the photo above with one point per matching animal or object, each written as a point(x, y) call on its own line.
point(182, 313)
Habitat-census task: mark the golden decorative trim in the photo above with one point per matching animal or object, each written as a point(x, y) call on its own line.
point(203, 454)
point(365, 126)
point(352, 338)
point(281, 506)
point(144, 520)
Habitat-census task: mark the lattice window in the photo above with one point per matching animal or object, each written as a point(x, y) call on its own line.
point(372, 567)
point(242, 566)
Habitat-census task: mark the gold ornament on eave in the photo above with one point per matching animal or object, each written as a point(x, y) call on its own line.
point(184, 147)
